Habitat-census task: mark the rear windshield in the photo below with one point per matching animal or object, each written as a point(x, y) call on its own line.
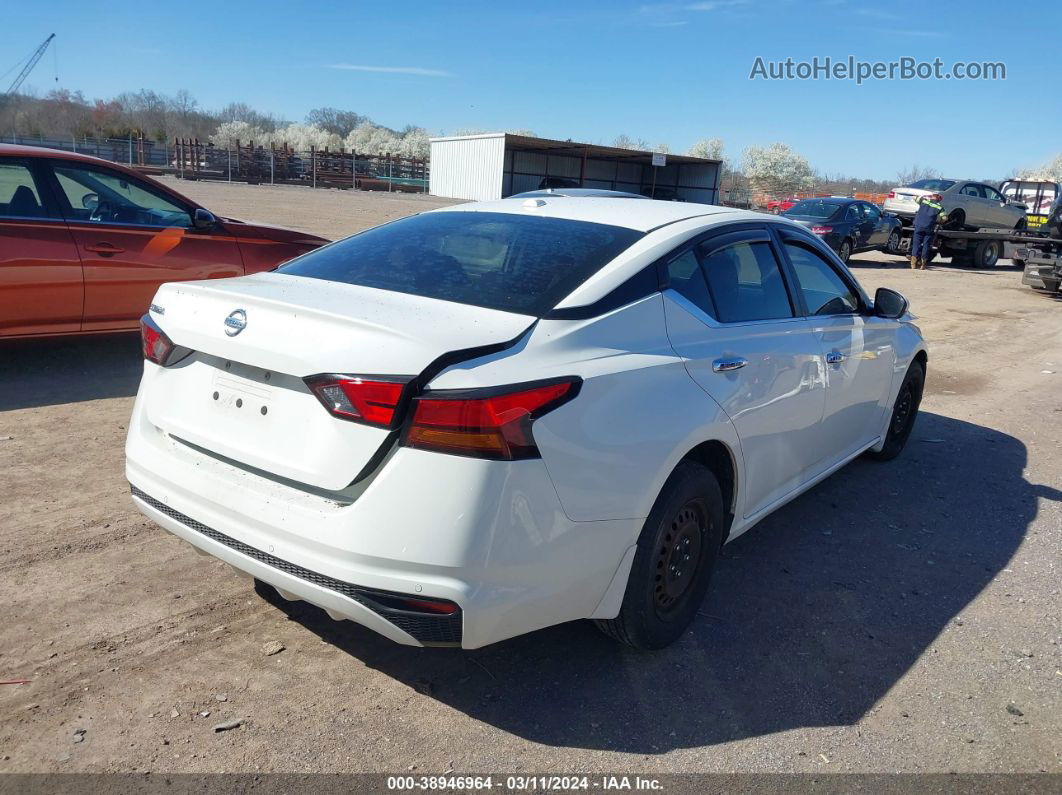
point(932, 184)
point(516, 263)
point(812, 208)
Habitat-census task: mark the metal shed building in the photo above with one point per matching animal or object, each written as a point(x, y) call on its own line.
point(496, 165)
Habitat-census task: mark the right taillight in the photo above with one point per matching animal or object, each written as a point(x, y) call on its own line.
point(489, 423)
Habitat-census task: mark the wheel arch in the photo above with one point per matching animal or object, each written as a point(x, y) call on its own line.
point(719, 459)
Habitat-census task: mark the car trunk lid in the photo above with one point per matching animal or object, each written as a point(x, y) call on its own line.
point(241, 394)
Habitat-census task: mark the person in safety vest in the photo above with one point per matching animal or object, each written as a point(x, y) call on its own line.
point(930, 213)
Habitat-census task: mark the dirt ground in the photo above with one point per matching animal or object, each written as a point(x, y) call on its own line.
point(899, 617)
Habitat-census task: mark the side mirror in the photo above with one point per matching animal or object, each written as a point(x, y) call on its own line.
point(889, 304)
point(203, 219)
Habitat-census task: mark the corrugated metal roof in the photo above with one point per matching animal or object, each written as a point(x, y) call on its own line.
point(577, 149)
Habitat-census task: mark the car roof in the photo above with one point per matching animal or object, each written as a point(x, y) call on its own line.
point(643, 215)
point(831, 200)
point(20, 150)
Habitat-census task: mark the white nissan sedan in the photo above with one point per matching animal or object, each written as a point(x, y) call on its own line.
point(483, 420)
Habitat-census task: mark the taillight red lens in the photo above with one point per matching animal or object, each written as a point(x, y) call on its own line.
point(494, 423)
point(156, 345)
point(890, 195)
point(371, 401)
point(821, 230)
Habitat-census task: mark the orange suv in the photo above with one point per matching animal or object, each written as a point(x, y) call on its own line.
point(85, 243)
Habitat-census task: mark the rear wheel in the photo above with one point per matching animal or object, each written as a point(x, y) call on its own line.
point(673, 562)
point(904, 412)
point(1023, 222)
point(987, 253)
point(845, 251)
point(956, 221)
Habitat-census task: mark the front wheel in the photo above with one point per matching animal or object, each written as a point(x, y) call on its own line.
point(673, 563)
point(904, 413)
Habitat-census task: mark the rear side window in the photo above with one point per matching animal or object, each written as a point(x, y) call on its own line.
point(746, 283)
point(19, 197)
point(685, 277)
point(516, 263)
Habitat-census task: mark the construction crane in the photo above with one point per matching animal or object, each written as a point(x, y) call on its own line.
point(14, 87)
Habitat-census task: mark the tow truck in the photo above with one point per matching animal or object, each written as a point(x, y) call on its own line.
point(1038, 250)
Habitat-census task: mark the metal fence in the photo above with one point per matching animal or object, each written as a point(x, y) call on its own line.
point(238, 162)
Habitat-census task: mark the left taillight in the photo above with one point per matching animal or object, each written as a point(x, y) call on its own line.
point(157, 347)
point(490, 423)
point(367, 400)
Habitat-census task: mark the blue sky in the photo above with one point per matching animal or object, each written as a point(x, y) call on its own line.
point(669, 72)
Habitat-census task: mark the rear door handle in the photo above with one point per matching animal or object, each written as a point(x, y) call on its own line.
point(835, 357)
point(104, 248)
point(726, 365)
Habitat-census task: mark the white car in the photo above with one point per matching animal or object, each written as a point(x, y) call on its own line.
point(483, 420)
point(969, 205)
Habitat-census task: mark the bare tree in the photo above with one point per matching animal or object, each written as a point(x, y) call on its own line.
point(915, 173)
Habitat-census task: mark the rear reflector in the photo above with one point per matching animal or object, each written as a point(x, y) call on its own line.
point(488, 423)
point(371, 401)
point(156, 345)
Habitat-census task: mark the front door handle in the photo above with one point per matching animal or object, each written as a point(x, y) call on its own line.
point(104, 248)
point(835, 357)
point(727, 365)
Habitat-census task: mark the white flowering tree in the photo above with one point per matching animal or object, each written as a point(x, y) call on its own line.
point(777, 169)
point(709, 148)
point(228, 133)
point(1050, 171)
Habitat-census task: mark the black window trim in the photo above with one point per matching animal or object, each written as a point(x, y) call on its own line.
point(60, 197)
point(815, 245)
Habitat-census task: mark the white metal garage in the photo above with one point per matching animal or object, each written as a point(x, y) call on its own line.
point(495, 165)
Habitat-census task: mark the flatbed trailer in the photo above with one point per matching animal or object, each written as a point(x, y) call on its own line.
point(983, 248)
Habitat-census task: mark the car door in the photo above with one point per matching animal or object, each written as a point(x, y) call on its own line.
point(132, 237)
point(973, 204)
point(858, 349)
point(877, 229)
point(1004, 216)
point(41, 282)
point(853, 215)
point(730, 317)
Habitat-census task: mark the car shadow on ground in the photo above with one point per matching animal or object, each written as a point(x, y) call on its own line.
point(812, 616)
point(46, 372)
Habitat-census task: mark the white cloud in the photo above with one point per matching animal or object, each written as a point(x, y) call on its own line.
point(398, 70)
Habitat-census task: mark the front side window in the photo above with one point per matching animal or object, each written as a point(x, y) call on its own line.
point(19, 197)
point(993, 194)
point(508, 261)
point(824, 291)
point(102, 196)
point(746, 283)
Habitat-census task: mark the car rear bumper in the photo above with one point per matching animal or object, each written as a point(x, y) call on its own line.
point(488, 536)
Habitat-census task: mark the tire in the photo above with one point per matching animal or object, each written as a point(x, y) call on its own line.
point(892, 245)
point(680, 539)
point(1022, 224)
point(987, 253)
point(956, 221)
point(845, 251)
point(904, 413)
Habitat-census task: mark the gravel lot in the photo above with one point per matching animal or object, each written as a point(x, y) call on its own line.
point(899, 617)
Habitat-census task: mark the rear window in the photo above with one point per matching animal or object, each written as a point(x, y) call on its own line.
point(812, 208)
point(932, 184)
point(517, 263)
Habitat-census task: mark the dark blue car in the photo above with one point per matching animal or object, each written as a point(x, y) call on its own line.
point(848, 225)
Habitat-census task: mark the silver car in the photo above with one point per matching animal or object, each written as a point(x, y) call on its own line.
point(969, 205)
